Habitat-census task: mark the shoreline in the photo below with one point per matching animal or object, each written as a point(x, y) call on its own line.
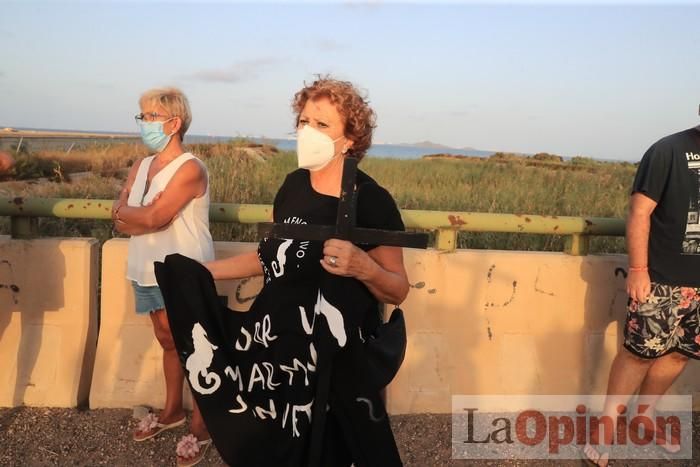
point(12, 133)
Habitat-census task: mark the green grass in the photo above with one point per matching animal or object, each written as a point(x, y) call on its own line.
point(245, 173)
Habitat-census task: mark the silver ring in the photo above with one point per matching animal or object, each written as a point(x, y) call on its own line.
point(333, 261)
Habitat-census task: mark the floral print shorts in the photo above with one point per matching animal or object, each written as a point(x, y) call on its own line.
point(668, 322)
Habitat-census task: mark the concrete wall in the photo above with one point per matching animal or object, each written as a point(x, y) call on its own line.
point(128, 367)
point(48, 321)
point(499, 322)
point(479, 322)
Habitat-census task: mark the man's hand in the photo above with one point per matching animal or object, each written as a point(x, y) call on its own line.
point(638, 285)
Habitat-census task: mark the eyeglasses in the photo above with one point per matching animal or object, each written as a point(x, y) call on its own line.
point(149, 117)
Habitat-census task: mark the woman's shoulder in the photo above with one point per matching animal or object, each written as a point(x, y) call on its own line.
point(193, 164)
point(376, 206)
point(295, 176)
point(368, 187)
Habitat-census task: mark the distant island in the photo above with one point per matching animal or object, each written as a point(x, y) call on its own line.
point(431, 145)
point(425, 144)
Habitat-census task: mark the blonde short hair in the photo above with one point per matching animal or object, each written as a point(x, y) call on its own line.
point(173, 101)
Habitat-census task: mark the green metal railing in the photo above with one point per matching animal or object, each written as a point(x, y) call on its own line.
point(24, 212)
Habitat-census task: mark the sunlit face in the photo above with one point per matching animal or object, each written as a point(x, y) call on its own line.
point(323, 116)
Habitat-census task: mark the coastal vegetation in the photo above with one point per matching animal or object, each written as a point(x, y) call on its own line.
point(245, 172)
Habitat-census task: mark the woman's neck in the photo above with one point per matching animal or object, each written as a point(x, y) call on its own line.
point(328, 180)
point(171, 151)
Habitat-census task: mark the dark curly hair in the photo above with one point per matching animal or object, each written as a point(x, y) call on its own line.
point(354, 109)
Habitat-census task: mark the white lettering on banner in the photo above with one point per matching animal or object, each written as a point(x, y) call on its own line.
point(243, 406)
point(300, 408)
point(256, 376)
point(235, 376)
point(284, 417)
point(247, 336)
point(262, 332)
point(270, 371)
point(291, 370)
point(263, 414)
point(301, 252)
point(262, 335)
point(260, 376)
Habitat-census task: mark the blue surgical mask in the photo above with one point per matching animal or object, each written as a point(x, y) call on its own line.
point(153, 136)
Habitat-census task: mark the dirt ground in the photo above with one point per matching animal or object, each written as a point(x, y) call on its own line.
point(48, 437)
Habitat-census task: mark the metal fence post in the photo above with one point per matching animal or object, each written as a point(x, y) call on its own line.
point(24, 227)
point(577, 245)
point(446, 239)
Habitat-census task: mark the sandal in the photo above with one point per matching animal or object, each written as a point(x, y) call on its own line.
point(190, 451)
point(149, 427)
point(671, 445)
point(592, 457)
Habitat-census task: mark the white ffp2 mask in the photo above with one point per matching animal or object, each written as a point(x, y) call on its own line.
point(315, 149)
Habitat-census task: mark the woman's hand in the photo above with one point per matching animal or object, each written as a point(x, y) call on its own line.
point(115, 209)
point(381, 269)
point(342, 258)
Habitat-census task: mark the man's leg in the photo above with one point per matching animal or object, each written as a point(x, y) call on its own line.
point(661, 375)
point(626, 375)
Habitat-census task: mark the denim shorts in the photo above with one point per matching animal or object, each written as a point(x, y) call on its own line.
point(148, 299)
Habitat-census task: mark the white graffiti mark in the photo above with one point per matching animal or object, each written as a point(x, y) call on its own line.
point(199, 361)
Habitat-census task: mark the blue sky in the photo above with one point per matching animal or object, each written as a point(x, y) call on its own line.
point(578, 79)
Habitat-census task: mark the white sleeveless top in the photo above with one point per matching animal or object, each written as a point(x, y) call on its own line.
point(188, 234)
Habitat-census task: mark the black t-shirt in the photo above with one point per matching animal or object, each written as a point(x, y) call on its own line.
point(669, 174)
point(297, 202)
